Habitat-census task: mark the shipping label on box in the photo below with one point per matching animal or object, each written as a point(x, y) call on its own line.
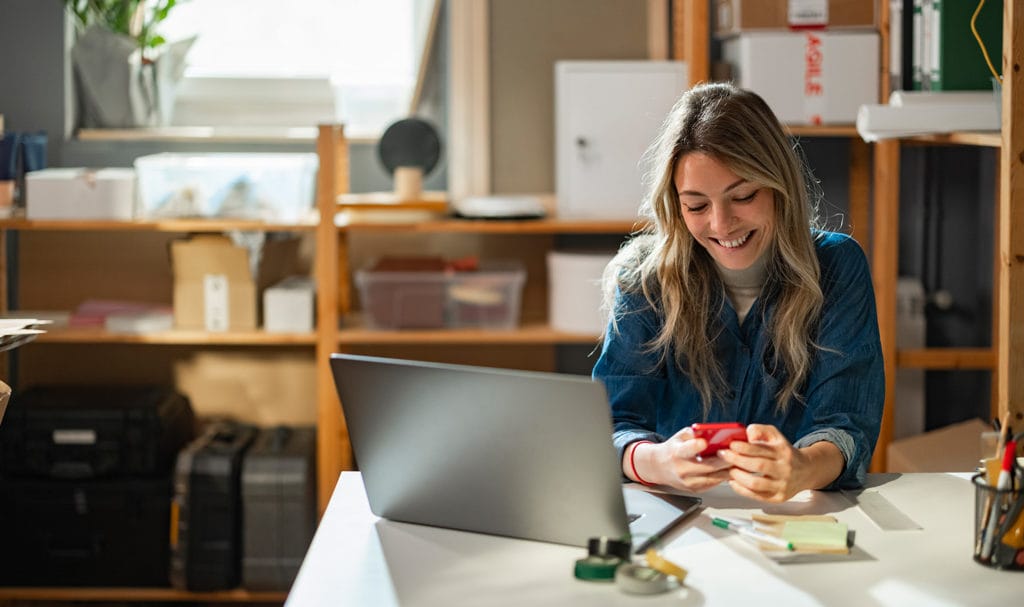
point(811, 77)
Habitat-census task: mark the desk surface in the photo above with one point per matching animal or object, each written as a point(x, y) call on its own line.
point(359, 559)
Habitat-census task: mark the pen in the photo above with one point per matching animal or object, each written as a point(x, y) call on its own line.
point(749, 531)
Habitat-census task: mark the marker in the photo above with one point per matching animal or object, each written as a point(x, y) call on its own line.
point(1005, 482)
point(751, 532)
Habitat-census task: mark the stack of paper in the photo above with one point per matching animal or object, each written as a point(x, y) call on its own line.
point(921, 113)
point(13, 333)
point(18, 331)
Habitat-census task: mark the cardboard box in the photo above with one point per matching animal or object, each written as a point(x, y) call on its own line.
point(288, 305)
point(80, 194)
point(214, 283)
point(213, 286)
point(955, 448)
point(810, 77)
point(738, 16)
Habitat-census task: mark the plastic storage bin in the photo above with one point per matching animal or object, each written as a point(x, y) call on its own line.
point(488, 298)
point(268, 187)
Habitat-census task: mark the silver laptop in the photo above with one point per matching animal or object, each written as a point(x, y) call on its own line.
point(513, 453)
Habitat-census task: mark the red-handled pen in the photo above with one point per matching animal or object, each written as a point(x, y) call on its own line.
point(1005, 482)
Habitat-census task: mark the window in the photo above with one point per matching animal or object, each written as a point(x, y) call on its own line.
point(271, 63)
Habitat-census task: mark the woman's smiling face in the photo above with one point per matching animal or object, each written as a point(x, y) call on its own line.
point(734, 219)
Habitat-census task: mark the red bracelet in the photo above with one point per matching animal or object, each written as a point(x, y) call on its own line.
point(632, 462)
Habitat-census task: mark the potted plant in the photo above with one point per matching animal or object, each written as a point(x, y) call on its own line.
point(125, 72)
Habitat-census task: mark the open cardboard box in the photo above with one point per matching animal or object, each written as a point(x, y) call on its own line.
point(214, 286)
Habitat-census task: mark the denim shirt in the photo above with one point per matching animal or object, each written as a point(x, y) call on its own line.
point(843, 394)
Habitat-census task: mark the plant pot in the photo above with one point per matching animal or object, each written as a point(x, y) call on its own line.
point(117, 88)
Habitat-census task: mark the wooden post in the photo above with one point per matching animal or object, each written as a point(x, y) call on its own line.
point(334, 452)
point(690, 36)
point(884, 272)
point(1010, 361)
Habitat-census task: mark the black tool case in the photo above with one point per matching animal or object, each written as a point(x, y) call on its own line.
point(278, 505)
point(91, 532)
point(77, 432)
point(206, 515)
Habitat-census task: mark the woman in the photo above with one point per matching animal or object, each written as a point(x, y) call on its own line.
point(733, 307)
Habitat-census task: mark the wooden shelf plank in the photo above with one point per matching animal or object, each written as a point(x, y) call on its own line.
point(826, 130)
point(138, 594)
point(947, 358)
point(551, 225)
point(529, 334)
point(168, 225)
point(991, 139)
point(90, 335)
point(428, 201)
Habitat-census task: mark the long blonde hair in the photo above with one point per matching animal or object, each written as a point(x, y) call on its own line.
point(677, 275)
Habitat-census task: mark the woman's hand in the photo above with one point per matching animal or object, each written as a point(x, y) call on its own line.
point(674, 463)
point(768, 468)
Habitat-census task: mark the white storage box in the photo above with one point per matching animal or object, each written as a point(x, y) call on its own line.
point(574, 291)
point(488, 298)
point(808, 77)
point(269, 187)
point(288, 305)
point(80, 194)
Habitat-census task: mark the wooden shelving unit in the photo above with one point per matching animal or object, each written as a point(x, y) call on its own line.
point(1008, 337)
point(196, 339)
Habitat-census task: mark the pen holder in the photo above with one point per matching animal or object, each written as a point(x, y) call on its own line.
point(998, 524)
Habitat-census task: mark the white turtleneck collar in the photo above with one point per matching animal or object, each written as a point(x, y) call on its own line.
point(744, 286)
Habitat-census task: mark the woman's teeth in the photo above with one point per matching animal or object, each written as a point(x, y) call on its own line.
point(732, 244)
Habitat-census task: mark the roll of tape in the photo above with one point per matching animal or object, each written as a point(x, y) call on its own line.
point(660, 563)
point(638, 579)
point(597, 568)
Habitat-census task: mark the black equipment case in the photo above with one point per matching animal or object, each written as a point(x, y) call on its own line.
point(278, 506)
point(76, 432)
point(206, 514)
point(93, 532)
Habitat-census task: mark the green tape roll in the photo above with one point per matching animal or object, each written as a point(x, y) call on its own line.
point(597, 568)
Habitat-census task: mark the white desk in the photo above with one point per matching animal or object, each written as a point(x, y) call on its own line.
point(359, 559)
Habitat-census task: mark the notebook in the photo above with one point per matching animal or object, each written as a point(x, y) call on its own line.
point(513, 453)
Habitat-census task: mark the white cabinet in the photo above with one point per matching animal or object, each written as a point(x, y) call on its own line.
point(607, 113)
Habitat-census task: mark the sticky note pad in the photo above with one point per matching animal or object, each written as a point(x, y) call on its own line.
point(816, 534)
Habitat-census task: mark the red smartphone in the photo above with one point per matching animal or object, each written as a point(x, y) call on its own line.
point(719, 435)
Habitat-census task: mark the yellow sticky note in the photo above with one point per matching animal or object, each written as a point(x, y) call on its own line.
point(815, 533)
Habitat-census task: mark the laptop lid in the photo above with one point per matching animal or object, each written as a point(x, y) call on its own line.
point(514, 453)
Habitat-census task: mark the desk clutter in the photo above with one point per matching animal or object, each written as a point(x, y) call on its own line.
point(610, 560)
point(114, 486)
point(783, 538)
